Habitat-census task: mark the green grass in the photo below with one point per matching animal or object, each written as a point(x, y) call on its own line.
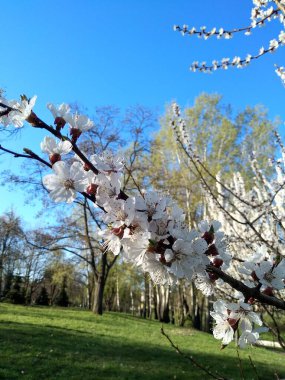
point(52, 343)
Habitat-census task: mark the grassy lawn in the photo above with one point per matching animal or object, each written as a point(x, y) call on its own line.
point(51, 343)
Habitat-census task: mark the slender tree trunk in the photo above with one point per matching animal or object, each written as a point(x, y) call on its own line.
point(1, 275)
point(146, 311)
point(154, 299)
point(132, 303)
point(163, 303)
point(98, 296)
point(100, 280)
point(117, 293)
point(180, 313)
point(152, 307)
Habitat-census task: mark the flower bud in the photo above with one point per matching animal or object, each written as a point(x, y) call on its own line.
point(233, 323)
point(209, 237)
point(54, 157)
point(119, 231)
point(86, 167)
point(251, 300)
point(254, 276)
point(217, 262)
point(59, 122)
point(91, 189)
point(213, 276)
point(74, 133)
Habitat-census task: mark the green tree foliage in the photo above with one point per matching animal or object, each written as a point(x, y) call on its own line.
point(222, 140)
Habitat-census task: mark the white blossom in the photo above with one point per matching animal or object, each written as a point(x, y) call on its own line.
point(65, 182)
point(50, 146)
point(59, 111)
point(20, 111)
point(79, 122)
point(108, 161)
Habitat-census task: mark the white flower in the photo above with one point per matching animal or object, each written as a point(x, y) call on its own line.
point(158, 272)
point(159, 229)
point(183, 263)
point(108, 161)
point(281, 37)
point(19, 113)
point(243, 312)
point(204, 283)
point(50, 146)
point(120, 212)
point(168, 255)
point(65, 181)
point(247, 337)
point(80, 122)
point(270, 276)
point(188, 257)
point(153, 204)
point(112, 241)
point(109, 187)
point(59, 111)
point(135, 247)
point(223, 328)
point(273, 44)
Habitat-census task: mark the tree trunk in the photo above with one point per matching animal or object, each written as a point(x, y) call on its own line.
point(100, 281)
point(117, 293)
point(146, 306)
point(132, 303)
point(163, 303)
point(1, 275)
point(98, 296)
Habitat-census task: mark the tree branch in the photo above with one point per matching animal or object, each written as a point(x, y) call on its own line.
point(190, 358)
point(246, 290)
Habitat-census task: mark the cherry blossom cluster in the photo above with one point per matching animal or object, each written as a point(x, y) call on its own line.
point(262, 12)
point(231, 317)
point(147, 229)
point(15, 112)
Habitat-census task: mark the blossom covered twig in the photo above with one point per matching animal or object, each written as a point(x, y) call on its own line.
point(262, 12)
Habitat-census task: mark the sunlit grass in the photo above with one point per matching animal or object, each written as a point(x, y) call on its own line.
point(54, 343)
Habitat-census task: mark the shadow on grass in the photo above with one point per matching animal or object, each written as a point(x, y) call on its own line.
point(33, 352)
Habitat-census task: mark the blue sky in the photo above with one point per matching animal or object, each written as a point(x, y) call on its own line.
point(124, 52)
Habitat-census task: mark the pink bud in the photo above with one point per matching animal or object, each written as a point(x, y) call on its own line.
point(54, 157)
point(91, 189)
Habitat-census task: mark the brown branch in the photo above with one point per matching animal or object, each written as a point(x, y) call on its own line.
point(36, 122)
point(276, 332)
point(240, 365)
point(29, 154)
point(206, 34)
point(246, 290)
point(190, 358)
point(254, 367)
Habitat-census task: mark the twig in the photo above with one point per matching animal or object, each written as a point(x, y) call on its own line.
point(206, 34)
point(240, 366)
point(29, 154)
point(254, 367)
point(246, 290)
point(190, 358)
